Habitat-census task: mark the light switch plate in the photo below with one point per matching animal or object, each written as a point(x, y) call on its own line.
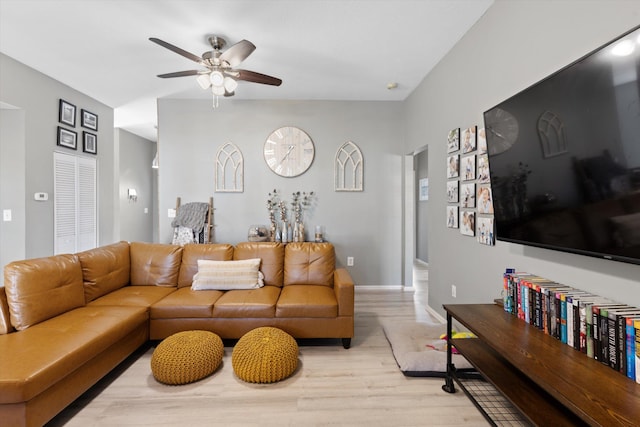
point(6, 215)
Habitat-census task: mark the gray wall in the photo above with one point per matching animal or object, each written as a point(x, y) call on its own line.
point(38, 96)
point(135, 155)
point(366, 225)
point(514, 45)
point(12, 184)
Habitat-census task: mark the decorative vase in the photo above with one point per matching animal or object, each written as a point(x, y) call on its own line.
point(296, 233)
point(285, 232)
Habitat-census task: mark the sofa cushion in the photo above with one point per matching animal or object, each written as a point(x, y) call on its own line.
point(193, 252)
point(308, 263)
point(105, 269)
point(155, 264)
point(247, 303)
point(185, 303)
point(227, 275)
point(307, 301)
point(51, 350)
point(39, 289)
point(272, 256)
point(136, 296)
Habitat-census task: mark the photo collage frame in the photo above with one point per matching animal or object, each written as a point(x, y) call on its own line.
point(68, 137)
point(469, 195)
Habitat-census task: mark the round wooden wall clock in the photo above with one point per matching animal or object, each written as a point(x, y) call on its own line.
point(289, 151)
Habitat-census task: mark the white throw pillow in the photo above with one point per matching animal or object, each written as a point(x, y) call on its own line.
point(226, 275)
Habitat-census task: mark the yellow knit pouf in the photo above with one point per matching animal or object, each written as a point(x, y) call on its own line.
point(186, 357)
point(265, 355)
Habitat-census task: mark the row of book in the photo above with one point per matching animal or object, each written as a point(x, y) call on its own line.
point(605, 330)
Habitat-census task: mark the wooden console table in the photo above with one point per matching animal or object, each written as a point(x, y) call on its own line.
point(550, 383)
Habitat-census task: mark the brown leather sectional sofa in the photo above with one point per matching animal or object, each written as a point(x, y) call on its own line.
point(67, 320)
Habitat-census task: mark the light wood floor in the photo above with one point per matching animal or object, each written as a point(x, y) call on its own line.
point(361, 386)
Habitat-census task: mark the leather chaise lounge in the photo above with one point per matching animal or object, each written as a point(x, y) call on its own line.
point(67, 320)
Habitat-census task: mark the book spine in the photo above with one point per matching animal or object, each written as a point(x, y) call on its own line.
point(621, 342)
point(589, 322)
point(525, 301)
point(582, 327)
point(603, 321)
point(563, 318)
point(576, 324)
point(595, 318)
point(636, 326)
point(569, 311)
point(631, 347)
point(505, 292)
point(558, 305)
point(519, 299)
point(611, 340)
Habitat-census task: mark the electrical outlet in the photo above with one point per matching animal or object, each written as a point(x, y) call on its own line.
point(6, 215)
point(349, 261)
point(453, 291)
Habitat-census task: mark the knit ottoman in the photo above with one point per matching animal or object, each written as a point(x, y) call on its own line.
point(265, 355)
point(185, 357)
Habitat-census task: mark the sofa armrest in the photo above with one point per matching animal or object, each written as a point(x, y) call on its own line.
point(344, 288)
point(5, 319)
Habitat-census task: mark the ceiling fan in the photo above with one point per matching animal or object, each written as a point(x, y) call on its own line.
point(220, 74)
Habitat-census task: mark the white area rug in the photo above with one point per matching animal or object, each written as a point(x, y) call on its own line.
point(418, 349)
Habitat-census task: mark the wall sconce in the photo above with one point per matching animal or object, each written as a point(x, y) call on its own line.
point(132, 195)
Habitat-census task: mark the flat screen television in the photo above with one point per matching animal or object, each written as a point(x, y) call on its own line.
point(564, 157)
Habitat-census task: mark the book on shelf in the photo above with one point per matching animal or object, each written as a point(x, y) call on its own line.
point(617, 339)
point(631, 345)
point(602, 329)
point(587, 325)
point(548, 292)
point(636, 326)
point(583, 337)
point(573, 318)
point(566, 314)
point(602, 314)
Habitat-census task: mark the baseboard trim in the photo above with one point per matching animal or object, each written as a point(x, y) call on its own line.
point(435, 315)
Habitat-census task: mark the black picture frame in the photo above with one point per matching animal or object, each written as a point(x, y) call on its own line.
point(89, 120)
point(89, 142)
point(67, 113)
point(67, 138)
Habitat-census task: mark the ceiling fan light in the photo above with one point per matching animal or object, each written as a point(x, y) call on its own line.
point(203, 81)
point(218, 90)
point(216, 78)
point(230, 84)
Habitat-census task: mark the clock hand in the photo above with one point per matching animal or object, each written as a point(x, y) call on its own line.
point(291, 147)
point(498, 134)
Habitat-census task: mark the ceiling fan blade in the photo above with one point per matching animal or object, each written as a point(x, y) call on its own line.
point(238, 52)
point(179, 74)
point(177, 50)
point(252, 76)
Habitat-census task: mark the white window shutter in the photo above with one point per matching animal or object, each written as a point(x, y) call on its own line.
point(75, 201)
point(86, 204)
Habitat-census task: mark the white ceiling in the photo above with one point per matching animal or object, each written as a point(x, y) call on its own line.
point(321, 49)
